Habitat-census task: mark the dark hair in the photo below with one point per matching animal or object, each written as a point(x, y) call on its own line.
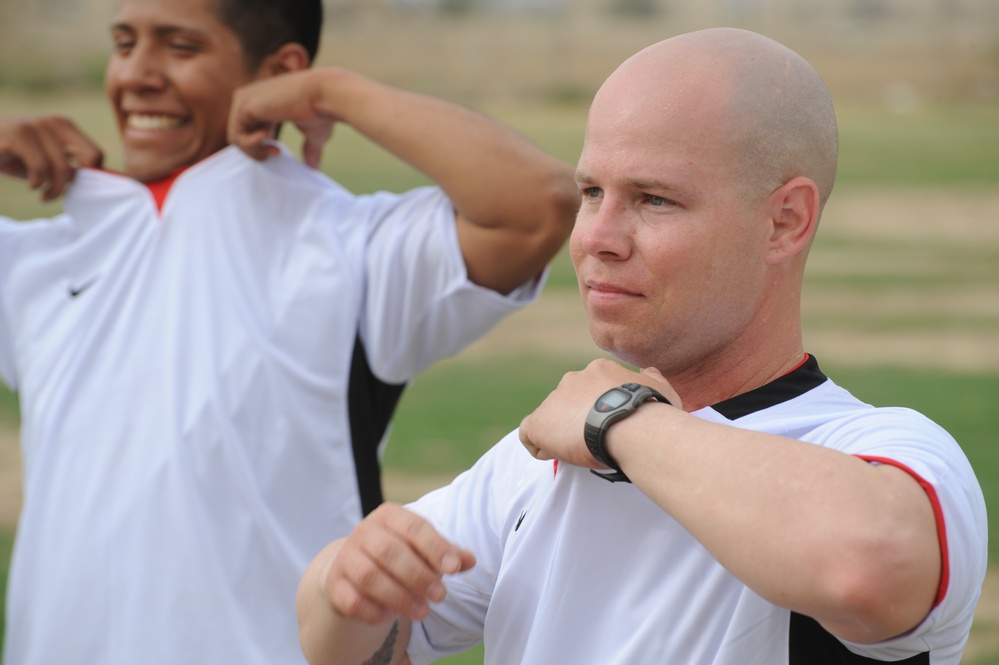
point(264, 26)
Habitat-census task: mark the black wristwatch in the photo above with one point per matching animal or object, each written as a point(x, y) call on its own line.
point(612, 406)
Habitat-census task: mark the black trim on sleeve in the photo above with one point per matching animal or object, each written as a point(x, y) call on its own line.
point(371, 403)
point(793, 384)
point(811, 644)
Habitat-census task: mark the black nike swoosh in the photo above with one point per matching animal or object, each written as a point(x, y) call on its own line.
point(74, 291)
point(520, 519)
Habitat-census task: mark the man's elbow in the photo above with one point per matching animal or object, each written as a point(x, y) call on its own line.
point(883, 594)
point(557, 214)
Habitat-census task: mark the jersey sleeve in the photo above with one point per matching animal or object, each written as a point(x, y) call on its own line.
point(477, 511)
point(14, 236)
point(6, 343)
point(19, 242)
point(420, 305)
point(908, 440)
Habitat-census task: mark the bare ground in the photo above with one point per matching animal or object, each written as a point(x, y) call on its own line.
point(557, 326)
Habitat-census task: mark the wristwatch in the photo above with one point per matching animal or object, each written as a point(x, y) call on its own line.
point(612, 406)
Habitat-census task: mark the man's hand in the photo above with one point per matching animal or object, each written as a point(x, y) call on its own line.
point(555, 429)
point(45, 151)
point(259, 108)
point(392, 564)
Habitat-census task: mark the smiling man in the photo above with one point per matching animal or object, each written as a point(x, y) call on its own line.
point(209, 346)
point(757, 514)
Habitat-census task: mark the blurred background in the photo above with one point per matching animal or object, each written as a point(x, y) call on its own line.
point(899, 52)
point(901, 300)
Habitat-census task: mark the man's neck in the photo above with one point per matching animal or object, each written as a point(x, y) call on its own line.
point(738, 368)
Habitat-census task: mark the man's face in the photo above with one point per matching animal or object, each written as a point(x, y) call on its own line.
point(668, 249)
point(170, 80)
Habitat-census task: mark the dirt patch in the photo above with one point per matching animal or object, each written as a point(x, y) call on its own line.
point(10, 478)
point(984, 639)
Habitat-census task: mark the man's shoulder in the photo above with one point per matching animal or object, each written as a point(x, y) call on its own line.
point(284, 170)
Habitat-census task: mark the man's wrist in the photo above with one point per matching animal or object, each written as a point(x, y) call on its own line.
point(610, 408)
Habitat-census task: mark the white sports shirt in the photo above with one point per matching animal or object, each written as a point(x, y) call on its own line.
point(193, 400)
point(574, 569)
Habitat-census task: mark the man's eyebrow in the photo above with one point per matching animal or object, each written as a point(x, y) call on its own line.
point(659, 185)
point(634, 183)
point(159, 31)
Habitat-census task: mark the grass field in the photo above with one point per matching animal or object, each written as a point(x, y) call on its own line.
point(901, 303)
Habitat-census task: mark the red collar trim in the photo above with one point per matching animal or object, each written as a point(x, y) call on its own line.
point(161, 188)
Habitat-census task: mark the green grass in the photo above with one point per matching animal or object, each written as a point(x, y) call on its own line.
point(6, 545)
point(8, 408)
point(942, 144)
point(456, 410)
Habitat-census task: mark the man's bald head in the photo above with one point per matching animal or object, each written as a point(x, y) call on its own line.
point(754, 97)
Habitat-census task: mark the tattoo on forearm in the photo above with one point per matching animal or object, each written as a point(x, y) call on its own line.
point(387, 649)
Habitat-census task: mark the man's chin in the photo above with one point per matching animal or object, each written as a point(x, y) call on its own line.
point(151, 165)
point(144, 172)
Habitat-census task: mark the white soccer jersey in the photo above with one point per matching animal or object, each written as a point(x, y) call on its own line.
point(198, 420)
point(574, 569)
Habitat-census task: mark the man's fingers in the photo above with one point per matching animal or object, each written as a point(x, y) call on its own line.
point(312, 153)
point(367, 592)
point(394, 562)
point(46, 152)
point(76, 147)
point(57, 171)
point(525, 439)
point(354, 605)
point(382, 579)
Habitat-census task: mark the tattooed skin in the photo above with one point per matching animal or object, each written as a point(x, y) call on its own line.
point(387, 650)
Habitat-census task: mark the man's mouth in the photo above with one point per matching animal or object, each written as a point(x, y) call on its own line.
point(148, 121)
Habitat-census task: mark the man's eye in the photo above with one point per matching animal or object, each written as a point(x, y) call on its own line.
point(591, 192)
point(657, 201)
point(183, 47)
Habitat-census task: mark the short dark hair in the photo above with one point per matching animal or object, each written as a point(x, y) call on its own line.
point(264, 26)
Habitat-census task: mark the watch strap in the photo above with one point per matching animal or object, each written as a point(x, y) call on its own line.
point(600, 419)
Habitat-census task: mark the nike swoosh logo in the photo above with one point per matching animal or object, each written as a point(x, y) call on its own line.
point(74, 291)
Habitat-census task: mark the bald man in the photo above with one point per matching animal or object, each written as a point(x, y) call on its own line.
point(728, 503)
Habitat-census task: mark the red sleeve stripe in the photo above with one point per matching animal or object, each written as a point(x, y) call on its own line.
point(937, 513)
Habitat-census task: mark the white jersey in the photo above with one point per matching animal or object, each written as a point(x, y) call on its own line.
point(574, 569)
point(203, 391)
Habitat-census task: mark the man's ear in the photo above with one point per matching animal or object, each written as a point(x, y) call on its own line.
point(794, 214)
point(290, 57)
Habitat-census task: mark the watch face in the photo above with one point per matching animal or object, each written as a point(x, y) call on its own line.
point(610, 400)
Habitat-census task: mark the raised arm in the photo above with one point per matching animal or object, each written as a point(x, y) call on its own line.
point(515, 205)
point(45, 151)
point(823, 533)
point(359, 596)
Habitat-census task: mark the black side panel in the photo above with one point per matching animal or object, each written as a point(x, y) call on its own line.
point(811, 644)
point(371, 403)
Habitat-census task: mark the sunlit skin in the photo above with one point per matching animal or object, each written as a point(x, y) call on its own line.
point(170, 79)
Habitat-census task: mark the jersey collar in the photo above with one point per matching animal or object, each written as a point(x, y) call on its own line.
point(160, 188)
point(797, 382)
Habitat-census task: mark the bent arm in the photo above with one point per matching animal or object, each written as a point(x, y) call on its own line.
point(515, 205)
point(821, 532)
point(359, 596)
point(824, 533)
